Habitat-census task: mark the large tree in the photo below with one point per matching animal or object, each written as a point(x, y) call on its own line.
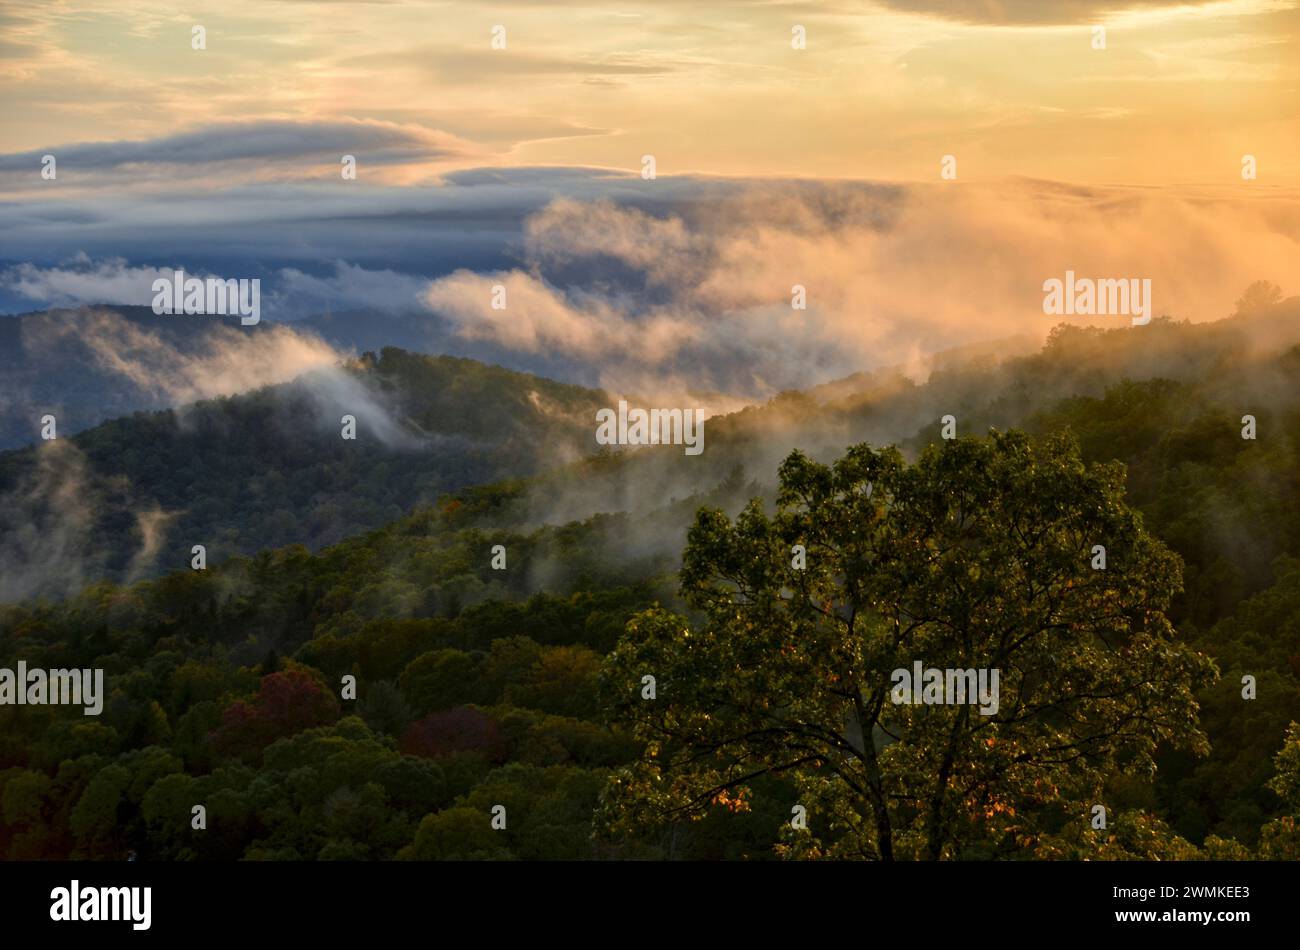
point(981, 555)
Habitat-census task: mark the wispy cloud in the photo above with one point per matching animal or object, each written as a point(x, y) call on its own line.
point(81, 280)
point(45, 526)
point(266, 150)
point(1024, 12)
point(227, 360)
point(704, 297)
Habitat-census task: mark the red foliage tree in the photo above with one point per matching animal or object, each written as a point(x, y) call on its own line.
point(286, 703)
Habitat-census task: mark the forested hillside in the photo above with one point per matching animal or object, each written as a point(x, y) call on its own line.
point(478, 686)
point(88, 364)
point(131, 497)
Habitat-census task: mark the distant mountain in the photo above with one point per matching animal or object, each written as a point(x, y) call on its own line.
point(88, 364)
point(130, 497)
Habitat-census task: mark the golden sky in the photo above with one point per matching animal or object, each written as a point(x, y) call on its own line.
point(882, 91)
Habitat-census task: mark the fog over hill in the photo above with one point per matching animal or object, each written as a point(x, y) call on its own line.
point(130, 497)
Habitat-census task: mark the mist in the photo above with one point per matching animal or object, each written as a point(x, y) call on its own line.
point(696, 303)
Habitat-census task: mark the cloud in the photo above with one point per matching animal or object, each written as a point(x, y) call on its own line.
point(450, 64)
point(538, 318)
point(262, 141)
point(469, 220)
point(45, 526)
point(293, 293)
point(699, 300)
point(336, 392)
point(80, 280)
point(568, 232)
point(152, 523)
point(350, 285)
point(1031, 12)
point(227, 360)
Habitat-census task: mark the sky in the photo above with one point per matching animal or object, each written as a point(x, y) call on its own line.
point(1114, 155)
point(882, 90)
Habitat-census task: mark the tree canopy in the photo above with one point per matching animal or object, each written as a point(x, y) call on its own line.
point(979, 556)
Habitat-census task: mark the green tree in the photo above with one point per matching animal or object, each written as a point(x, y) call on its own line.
point(24, 810)
point(978, 556)
point(384, 709)
point(96, 819)
point(440, 679)
point(1286, 780)
point(457, 834)
point(1280, 838)
point(562, 681)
